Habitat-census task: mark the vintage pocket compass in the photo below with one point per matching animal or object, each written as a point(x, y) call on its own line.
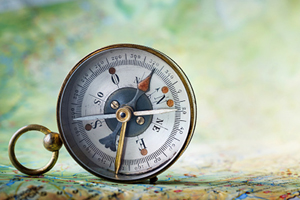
point(125, 113)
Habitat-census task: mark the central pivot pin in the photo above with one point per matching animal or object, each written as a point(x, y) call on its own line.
point(124, 114)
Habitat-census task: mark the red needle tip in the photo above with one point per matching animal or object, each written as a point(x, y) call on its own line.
point(144, 84)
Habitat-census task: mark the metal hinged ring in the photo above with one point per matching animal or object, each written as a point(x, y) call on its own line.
point(52, 142)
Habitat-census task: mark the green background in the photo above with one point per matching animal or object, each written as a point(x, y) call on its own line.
point(241, 56)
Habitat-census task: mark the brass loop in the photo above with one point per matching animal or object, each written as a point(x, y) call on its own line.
point(12, 155)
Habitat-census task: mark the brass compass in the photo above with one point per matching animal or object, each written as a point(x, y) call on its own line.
point(125, 113)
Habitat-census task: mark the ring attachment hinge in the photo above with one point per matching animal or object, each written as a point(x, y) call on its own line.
point(52, 142)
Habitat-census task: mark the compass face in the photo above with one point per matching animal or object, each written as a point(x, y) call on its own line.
point(158, 100)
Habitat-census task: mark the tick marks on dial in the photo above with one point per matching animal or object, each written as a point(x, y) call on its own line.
point(174, 83)
point(91, 71)
point(161, 68)
point(164, 154)
point(81, 140)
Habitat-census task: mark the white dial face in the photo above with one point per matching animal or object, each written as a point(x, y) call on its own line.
point(106, 81)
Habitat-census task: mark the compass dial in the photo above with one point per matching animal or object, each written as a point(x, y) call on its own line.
point(126, 112)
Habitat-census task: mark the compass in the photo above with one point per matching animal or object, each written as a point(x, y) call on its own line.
point(125, 113)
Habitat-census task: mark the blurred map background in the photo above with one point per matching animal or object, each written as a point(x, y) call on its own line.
point(241, 56)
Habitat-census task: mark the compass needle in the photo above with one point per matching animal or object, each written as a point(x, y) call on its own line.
point(144, 84)
point(142, 88)
point(153, 112)
point(136, 113)
point(123, 116)
point(120, 148)
point(93, 117)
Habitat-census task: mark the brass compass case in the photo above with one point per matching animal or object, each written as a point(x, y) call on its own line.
point(110, 80)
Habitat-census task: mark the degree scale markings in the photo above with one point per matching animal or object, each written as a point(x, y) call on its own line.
point(134, 62)
point(95, 149)
point(92, 72)
point(168, 142)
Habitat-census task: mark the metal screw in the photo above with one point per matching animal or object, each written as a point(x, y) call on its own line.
point(114, 105)
point(140, 120)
